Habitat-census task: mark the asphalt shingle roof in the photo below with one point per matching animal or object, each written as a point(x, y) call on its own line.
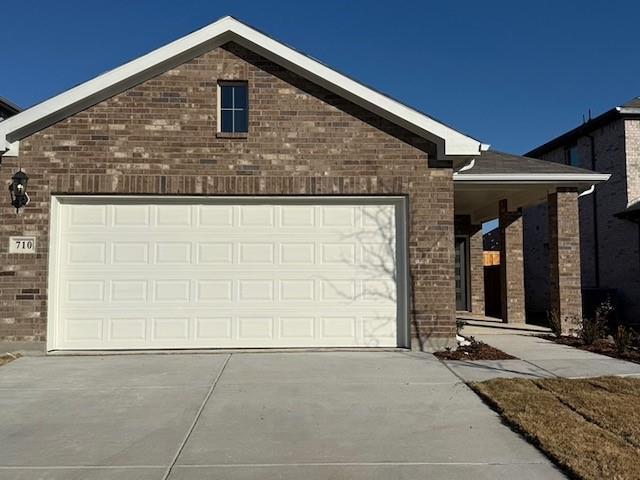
point(495, 162)
point(632, 212)
point(633, 103)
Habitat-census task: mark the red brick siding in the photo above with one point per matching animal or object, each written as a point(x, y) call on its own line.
point(159, 138)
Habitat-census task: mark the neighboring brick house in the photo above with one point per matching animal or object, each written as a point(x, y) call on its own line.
point(7, 109)
point(609, 230)
point(227, 191)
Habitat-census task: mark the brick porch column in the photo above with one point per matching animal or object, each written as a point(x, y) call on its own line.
point(511, 264)
point(476, 267)
point(565, 294)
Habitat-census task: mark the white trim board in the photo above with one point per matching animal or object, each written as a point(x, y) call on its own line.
point(531, 177)
point(448, 140)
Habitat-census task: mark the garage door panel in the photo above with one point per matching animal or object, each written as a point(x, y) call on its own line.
point(131, 216)
point(378, 331)
point(257, 216)
point(129, 291)
point(297, 216)
point(88, 215)
point(297, 327)
point(215, 253)
point(255, 327)
point(379, 291)
point(84, 328)
point(297, 290)
point(171, 291)
point(256, 253)
point(340, 327)
point(128, 329)
point(170, 329)
point(127, 253)
point(251, 290)
point(297, 253)
point(173, 215)
point(163, 275)
point(338, 216)
point(215, 291)
point(172, 252)
point(215, 215)
point(213, 328)
point(84, 253)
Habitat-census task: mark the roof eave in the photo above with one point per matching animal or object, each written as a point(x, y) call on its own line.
point(585, 128)
point(567, 179)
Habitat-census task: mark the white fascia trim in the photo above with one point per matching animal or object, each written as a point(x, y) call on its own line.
point(11, 149)
point(222, 31)
point(533, 177)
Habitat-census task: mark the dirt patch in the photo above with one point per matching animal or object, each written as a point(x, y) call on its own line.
point(603, 347)
point(589, 427)
point(476, 351)
point(8, 357)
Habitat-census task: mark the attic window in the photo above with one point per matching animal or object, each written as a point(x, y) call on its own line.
point(233, 115)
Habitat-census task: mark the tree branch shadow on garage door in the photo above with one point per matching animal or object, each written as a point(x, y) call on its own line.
point(385, 225)
point(379, 263)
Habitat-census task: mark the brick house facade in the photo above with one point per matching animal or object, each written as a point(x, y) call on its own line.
point(159, 138)
point(153, 135)
point(609, 243)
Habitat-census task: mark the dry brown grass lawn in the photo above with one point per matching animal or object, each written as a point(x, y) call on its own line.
point(589, 427)
point(6, 358)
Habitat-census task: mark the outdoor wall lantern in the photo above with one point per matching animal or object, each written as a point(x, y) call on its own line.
point(18, 190)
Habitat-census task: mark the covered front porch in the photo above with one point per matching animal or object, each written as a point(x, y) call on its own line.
point(496, 185)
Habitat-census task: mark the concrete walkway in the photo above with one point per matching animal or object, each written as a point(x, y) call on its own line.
point(539, 358)
point(339, 415)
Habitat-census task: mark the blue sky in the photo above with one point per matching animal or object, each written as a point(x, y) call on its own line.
point(511, 73)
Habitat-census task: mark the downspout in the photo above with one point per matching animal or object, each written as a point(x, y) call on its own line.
point(594, 200)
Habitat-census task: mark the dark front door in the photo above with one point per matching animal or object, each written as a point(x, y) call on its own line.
point(461, 274)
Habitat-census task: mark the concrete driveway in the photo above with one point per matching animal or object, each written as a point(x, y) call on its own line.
point(338, 415)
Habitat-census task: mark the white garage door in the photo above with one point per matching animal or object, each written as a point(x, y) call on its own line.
point(190, 273)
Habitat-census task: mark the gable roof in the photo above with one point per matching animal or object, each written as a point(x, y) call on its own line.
point(630, 108)
point(448, 140)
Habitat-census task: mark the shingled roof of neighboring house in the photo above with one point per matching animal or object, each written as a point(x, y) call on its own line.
point(633, 103)
point(494, 163)
point(8, 108)
point(631, 213)
point(627, 109)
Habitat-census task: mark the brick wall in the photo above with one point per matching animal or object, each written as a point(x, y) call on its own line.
point(159, 138)
point(565, 300)
point(511, 264)
point(618, 240)
point(632, 153)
